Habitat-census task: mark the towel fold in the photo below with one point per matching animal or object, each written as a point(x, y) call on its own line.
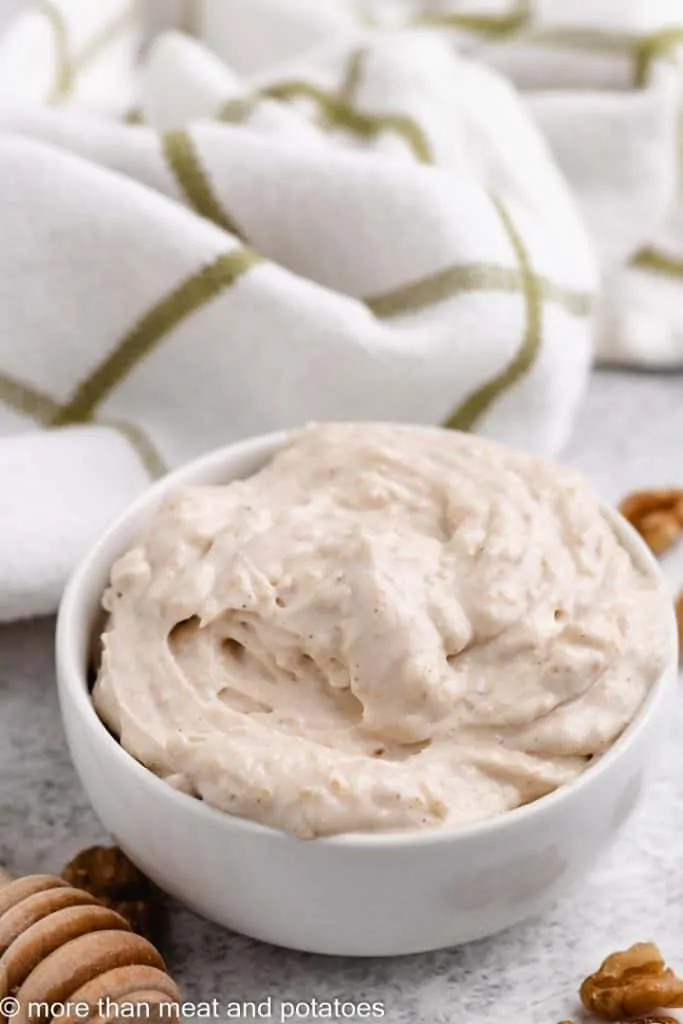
point(322, 210)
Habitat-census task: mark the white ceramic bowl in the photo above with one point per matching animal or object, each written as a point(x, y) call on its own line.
point(358, 895)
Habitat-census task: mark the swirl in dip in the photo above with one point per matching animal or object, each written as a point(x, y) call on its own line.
point(384, 628)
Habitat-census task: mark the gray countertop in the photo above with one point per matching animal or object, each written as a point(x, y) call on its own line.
point(629, 433)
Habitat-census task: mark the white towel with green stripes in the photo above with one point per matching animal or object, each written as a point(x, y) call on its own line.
point(371, 228)
point(603, 79)
point(83, 51)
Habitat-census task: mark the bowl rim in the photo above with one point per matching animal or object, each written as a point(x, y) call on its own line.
point(73, 683)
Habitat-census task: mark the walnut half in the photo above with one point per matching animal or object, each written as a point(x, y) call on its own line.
point(654, 1020)
point(634, 982)
point(656, 515)
point(641, 1020)
point(107, 874)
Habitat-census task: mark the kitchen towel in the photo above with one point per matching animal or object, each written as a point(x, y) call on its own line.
point(314, 210)
point(75, 51)
point(602, 80)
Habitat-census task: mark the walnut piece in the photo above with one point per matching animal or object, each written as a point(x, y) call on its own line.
point(107, 874)
point(656, 515)
point(634, 982)
point(654, 1020)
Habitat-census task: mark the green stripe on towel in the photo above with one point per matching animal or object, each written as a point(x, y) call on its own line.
point(341, 114)
point(353, 75)
point(237, 110)
point(658, 262)
point(64, 75)
point(195, 292)
point(494, 25)
point(469, 412)
point(468, 278)
point(657, 46)
point(27, 400)
point(193, 181)
point(142, 443)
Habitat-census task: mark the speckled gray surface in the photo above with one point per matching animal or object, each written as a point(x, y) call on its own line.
point(630, 433)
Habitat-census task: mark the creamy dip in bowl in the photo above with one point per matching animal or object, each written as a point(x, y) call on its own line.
point(411, 878)
point(384, 628)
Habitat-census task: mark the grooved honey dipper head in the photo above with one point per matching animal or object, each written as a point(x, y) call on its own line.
point(65, 956)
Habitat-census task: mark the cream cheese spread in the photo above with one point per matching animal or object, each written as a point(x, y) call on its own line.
point(385, 628)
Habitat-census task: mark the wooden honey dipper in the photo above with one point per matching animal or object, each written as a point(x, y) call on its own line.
point(60, 946)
